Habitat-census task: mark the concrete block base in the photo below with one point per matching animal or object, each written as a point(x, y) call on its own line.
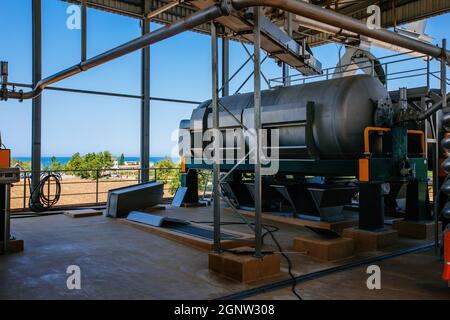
point(415, 229)
point(83, 213)
point(325, 249)
point(244, 268)
point(371, 240)
point(15, 246)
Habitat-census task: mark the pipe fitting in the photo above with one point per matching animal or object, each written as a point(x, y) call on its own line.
point(227, 7)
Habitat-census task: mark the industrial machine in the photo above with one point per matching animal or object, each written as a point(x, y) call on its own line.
point(8, 176)
point(446, 247)
point(338, 140)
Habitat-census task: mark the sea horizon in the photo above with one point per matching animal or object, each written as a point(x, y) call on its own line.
point(46, 160)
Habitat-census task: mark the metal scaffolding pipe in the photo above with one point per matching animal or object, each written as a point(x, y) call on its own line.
point(286, 78)
point(225, 66)
point(83, 30)
point(342, 21)
point(215, 118)
point(298, 7)
point(445, 110)
point(163, 33)
point(145, 103)
point(36, 108)
point(257, 124)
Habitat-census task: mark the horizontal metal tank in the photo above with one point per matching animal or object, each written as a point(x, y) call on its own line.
point(343, 108)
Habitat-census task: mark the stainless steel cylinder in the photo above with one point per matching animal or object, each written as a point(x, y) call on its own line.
point(343, 108)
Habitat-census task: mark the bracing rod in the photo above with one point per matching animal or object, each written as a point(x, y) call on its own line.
point(224, 8)
point(160, 34)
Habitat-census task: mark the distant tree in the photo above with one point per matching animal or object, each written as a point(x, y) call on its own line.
point(122, 160)
point(168, 173)
point(55, 165)
point(86, 166)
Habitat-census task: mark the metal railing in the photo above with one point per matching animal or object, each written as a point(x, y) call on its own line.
point(90, 187)
point(425, 70)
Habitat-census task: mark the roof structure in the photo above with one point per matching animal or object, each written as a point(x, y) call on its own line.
point(393, 12)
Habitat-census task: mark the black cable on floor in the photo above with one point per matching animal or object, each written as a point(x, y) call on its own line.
point(289, 262)
point(280, 249)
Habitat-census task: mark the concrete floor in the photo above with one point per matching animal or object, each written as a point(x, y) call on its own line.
point(118, 261)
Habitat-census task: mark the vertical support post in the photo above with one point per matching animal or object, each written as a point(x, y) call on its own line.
point(444, 110)
point(3, 212)
point(286, 79)
point(83, 30)
point(36, 117)
point(225, 66)
point(145, 104)
point(215, 115)
point(257, 125)
point(7, 231)
point(96, 186)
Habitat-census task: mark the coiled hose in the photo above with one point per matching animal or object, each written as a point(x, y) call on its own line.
point(40, 200)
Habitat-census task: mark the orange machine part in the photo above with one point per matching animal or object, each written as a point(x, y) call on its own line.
point(446, 273)
point(363, 169)
point(5, 158)
point(183, 165)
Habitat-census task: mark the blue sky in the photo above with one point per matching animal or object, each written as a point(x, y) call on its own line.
point(180, 68)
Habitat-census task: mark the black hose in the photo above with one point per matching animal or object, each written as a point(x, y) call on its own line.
point(270, 229)
point(321, 273)
point(40, 201)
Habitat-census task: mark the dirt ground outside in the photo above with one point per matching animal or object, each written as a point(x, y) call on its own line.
point(76, 191)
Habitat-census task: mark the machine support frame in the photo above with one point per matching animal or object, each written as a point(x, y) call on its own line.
point(443, 84)
point(286, 77)
point(257, 124)
point(215, 116)
point(36, 113)
point(145, 102)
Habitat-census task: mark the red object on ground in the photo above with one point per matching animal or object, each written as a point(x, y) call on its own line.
point(446, 273)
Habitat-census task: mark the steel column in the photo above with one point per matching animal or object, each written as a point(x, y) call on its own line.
point(257, 125)
point(7, 219)
point(145, 103)
point(215, 115)
point(83, 30)
point(36, 117)
point(225, 66)
point(444, 110)
point(286, 79)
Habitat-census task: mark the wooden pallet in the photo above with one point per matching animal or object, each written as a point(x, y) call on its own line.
point(186, 239)
point(337, 227)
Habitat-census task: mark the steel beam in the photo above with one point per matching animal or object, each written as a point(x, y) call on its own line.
point(83, 29)
point(160, 34)
point(215, 115)
point(216, 11)
point(106, 93)
point(443, 84)
point(36, 113)
point(342, 21)
point(145, 103)
point(164, 8)
point(286, 79)
point(225, 66)
point(257, 125)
